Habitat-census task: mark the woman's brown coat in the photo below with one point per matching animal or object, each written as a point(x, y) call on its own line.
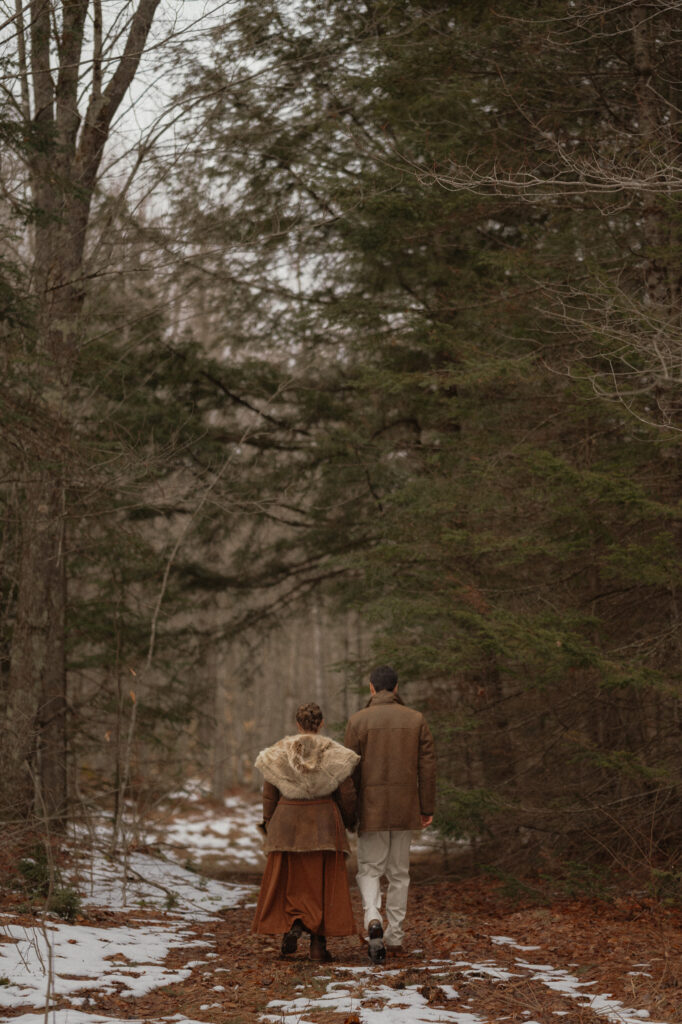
point(299, 826)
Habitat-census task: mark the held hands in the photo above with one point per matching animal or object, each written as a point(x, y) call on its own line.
point(426, 820)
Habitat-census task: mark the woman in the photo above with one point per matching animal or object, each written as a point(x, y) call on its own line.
point(308, 797)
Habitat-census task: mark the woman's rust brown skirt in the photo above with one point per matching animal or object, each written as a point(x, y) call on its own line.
point(311, 886)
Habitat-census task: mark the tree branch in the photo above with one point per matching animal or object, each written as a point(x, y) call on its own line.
point(101, 109)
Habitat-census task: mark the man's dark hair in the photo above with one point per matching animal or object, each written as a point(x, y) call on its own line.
point(383, 678)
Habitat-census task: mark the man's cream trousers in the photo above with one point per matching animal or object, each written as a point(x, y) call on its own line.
point(385, 853)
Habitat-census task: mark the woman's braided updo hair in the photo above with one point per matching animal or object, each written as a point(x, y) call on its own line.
point(309, 717)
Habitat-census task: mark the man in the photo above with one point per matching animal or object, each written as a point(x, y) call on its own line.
point(396, 786)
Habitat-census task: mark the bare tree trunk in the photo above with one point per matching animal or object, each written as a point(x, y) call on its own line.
point(498, 756)
point(291, 678)
point(21, 59)
point(32, 641)
point(63, 176)
point(53, 711)
point(221, 753)
point(659, 138)
point(318, 666)
point(345, 707)
point(656, 270)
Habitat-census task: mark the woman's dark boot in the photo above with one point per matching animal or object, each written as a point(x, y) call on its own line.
point(290, 939)
point(318, 949)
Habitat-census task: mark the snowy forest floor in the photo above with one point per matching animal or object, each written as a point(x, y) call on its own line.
point(156, 940)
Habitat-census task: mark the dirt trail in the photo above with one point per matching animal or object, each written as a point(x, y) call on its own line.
point(171, 946)
point(466, 966)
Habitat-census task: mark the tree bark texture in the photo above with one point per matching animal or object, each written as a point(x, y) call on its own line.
point(36, 656)
point(52, 711)
point(63, 174)
point(659, 141)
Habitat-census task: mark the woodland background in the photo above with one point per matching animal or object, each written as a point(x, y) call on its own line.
point(336, 333)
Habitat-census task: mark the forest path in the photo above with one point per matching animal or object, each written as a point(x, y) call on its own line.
point(180, 949)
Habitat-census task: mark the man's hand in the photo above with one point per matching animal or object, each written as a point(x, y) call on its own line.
point(426, 820)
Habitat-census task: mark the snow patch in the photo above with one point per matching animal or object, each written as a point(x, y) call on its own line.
point(73, 958)
point(144, 881)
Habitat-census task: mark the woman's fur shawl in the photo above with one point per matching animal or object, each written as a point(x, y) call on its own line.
point(306, 766)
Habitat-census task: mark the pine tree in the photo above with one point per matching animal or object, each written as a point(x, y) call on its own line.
point(512, 540)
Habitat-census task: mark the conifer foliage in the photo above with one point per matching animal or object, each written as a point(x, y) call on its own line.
point(399, 332)
point(477, 214)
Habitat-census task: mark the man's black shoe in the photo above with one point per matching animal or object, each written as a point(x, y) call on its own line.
point(376, 948)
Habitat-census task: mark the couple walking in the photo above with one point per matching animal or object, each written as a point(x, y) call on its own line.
point(383, 781)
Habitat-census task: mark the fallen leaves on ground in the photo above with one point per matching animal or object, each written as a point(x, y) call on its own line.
point(630, 948)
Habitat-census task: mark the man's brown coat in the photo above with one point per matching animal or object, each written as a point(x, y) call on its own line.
point(396, 777)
